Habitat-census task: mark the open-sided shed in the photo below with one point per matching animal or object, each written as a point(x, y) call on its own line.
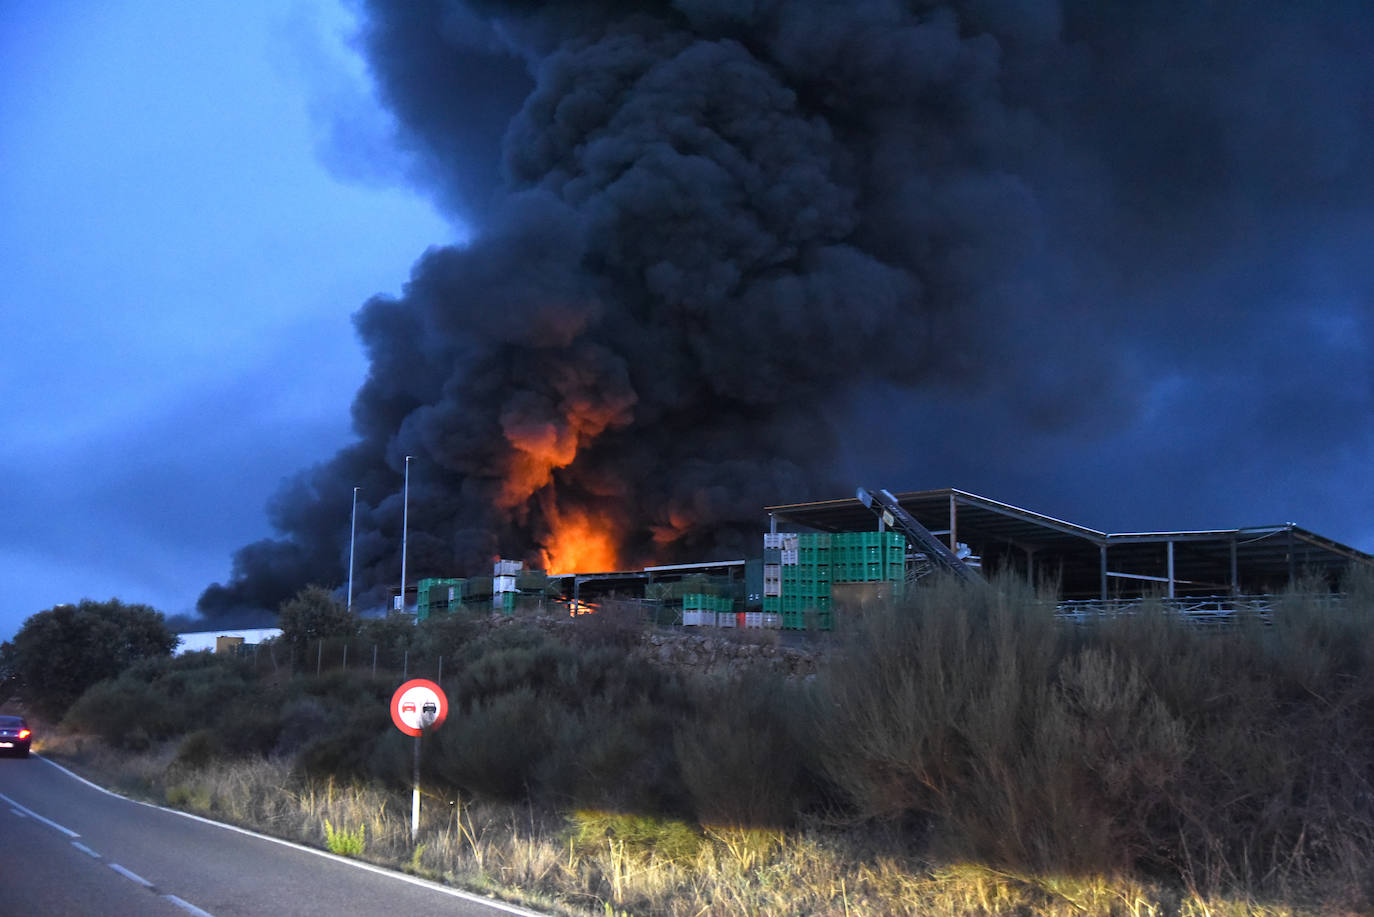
point(1092, 564)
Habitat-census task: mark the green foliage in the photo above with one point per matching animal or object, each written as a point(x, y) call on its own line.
point(192, 796)
point(1238, 757)
point(157, 699)
point(391, 635)
point(738, 753)
point(311, 615)
point(344, 842)
point(494, 747)
point(638, 835)
point(60, 652)
point(533, 717)
point(347, 746)
point(200, 748)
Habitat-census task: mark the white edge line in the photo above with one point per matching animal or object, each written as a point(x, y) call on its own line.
point(32, 814)
point(84, 849)
point(356, 864)
point(187, 906)
point(128, 874)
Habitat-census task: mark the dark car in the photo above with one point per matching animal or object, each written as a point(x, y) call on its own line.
point(15, 736)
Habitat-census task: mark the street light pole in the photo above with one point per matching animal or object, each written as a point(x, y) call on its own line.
point(352, 535)
point(405, 522)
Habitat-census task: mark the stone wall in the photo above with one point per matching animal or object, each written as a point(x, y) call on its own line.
point(720, 655)
point(699, 651)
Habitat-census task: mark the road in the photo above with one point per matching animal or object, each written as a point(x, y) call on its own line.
point(68, 847)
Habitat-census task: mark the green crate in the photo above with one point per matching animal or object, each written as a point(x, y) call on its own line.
point(811, 573)
point(772, 604)
point(702, 601)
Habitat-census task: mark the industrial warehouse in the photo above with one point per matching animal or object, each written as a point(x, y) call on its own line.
point(820, 559)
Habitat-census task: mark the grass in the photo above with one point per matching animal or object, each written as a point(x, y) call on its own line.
point(589, 861)
point(964, 753)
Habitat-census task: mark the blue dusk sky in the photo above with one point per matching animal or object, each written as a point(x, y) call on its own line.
point(195, 198)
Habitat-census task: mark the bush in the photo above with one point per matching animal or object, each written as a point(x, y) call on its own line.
point(1235, 758)
point(739, 755)
point(158, 699)
point(349, 747)
point(494, 747)
point(313, 614)
point(59, 653)
point(200, 749)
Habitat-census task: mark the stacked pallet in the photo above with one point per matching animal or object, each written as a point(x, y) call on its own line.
point(704, 610)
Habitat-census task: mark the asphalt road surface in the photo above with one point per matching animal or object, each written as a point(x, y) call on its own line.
point(68, 847)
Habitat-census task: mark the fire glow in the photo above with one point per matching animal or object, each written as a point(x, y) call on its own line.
point(579, 541)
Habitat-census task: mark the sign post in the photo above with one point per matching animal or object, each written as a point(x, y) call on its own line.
point(417, 705)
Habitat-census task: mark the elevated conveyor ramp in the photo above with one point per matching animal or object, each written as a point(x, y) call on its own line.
point(887, 508)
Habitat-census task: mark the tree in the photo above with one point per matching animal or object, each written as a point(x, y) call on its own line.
point(60, 652)
point(314, 614)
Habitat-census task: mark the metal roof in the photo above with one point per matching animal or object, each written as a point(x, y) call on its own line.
point(1257, 559)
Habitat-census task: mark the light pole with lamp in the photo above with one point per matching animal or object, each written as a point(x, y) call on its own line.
point(405, 521)
point(352, 536)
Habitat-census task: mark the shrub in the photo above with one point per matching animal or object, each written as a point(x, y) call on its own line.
point(345, 842)
point(59, 653)
point(494, 746)
point(738, 754)
point(348, 748)
point(200, 748)
point(160, 698)
point(1231, 758)
point(948, 685)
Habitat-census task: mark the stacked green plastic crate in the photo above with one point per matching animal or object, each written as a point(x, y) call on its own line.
point(806, 584)
point(869, 557)
point(437, 595)
point(800, 569)
point(708, 610)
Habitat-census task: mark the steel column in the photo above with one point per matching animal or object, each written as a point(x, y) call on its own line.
point(1235, 568)
point(953, 525)
point(1170, 547)
point(1102, 555)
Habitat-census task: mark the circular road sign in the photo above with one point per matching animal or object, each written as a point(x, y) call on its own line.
point(417, 705)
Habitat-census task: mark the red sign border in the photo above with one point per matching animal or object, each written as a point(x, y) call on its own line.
point(418, 683)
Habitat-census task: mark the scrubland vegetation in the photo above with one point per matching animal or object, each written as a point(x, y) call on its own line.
point(962, 752)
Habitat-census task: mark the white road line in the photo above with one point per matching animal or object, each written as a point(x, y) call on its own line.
point(356, 864)
point(130, 875)
point(32, 814)
point(22, 812)
point(84, 849)
point(187, 906)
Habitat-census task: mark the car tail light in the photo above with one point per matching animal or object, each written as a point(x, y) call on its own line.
point(23, 734)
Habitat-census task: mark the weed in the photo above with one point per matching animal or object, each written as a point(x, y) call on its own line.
point(345, 842)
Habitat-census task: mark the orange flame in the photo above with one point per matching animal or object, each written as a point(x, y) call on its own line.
point(547, 438)
point(580, 542)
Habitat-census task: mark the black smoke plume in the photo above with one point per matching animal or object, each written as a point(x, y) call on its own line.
point(712, 237)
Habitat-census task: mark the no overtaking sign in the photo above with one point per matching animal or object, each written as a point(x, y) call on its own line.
point(417, 705)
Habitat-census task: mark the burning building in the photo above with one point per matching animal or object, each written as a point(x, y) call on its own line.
point(711, 241)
